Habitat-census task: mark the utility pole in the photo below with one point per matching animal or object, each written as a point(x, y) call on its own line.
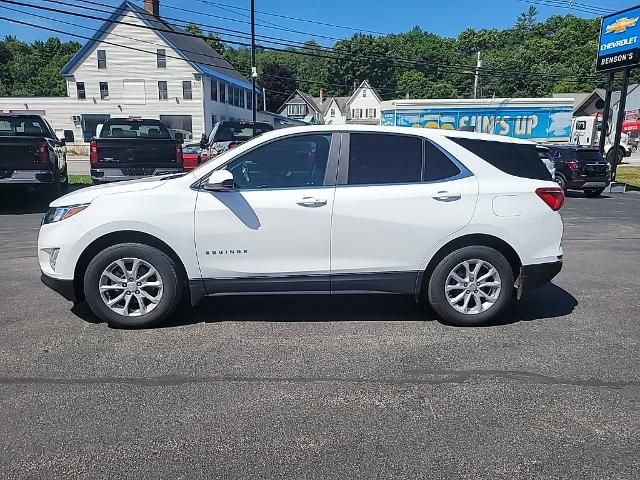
point(254, 70)
point(476, 80)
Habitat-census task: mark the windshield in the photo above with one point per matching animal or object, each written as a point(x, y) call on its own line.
point(134, 129)
point(193, 148)
point(22, 126)
point(239, 132)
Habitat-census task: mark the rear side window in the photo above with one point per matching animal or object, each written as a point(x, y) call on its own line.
point(383, 158)
point(437, 165)
point(520, 160)
point(135, 129)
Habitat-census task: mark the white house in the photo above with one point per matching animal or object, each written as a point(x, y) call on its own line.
point(137, 64)
point(363, 107)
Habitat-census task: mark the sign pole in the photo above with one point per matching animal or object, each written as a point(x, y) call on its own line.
point(604, 129)
point(621, 108)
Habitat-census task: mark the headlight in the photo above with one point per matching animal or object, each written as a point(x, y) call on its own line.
point(56, 214)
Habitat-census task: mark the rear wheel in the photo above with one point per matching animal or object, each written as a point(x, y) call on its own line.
point(132, 285)
point(561, 181)
point(471, 286)
point(595, 192)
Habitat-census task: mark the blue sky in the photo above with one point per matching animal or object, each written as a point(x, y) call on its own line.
point(442, 17)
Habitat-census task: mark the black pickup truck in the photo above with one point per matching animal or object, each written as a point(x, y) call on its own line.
point(130, 148)
point(31, 154)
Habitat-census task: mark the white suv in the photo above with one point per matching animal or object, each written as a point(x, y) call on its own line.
point(464, 221)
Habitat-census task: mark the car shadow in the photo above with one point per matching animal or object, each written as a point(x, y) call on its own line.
point(547, 302)
point(19, 200)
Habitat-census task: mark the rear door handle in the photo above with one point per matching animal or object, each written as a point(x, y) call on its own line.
point(446, 196)
point(312, 202)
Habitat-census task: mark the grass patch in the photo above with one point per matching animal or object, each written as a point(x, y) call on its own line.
point(79, 179)
point(630, 176)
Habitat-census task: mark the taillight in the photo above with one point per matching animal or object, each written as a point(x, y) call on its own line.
point(43, 152)
point(93, 152)
point(552, 196)
point(572, 165)
point(179, 153)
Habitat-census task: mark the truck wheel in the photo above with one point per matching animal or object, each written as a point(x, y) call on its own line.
point(132, 285)
point(593, 193)
point(471, 286)
point(614, 159)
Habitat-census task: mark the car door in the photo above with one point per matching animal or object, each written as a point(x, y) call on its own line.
point(398, 196)
point(271, 233)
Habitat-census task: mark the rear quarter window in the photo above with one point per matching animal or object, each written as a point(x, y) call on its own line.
point(518, 159)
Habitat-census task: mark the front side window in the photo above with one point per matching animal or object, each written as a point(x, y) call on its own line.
point(161, 58)
point(187, 93)
point(163, 93)
point(102, 59)
point(104, 91)
point(384, 158)
point(293, 162)
point(82, 93)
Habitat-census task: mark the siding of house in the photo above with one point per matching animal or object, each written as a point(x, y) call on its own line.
point(222, 110)
point(363, 103)
point(338, 119)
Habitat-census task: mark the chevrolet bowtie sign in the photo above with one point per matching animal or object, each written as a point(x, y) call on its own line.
point(619, 45)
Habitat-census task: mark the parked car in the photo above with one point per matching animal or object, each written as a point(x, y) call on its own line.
point(229, 134)
point(31, 153)
point(446, 217)
point(545, 156)
point(130, 148)
point(580, 168)
point(191, 156)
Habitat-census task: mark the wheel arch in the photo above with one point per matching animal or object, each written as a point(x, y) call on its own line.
point(475, 239)
point(114, 238)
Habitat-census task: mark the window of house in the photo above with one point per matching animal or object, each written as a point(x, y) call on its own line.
point(214, 120)
point(295, 161)
point(163, 93)
point(102, 59)
point(104, 91)
point(161, 58)
point(364, 92)
point(356, 113)
point(371, 113)
point(187, 93)
point(438, 165)
point(250, 100)
point(223, 92)
point(333, 112)
point(214, 90)
point(384, 158)
point(82, 93)
point(296, 109)
point(242, 95)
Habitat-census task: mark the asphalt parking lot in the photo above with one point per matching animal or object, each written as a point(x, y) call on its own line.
point(344, 387)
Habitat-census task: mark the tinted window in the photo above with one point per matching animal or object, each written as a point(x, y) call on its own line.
point(544, 154)
point(437, 165)
point(517, 159)
point(20, 126)
point(299, 161)
point(383, 158)
point(589, 155)
point(134, 129)
point(239, 132)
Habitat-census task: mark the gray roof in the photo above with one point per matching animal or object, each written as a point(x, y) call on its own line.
point(194, 50)
point(310, 100)
point(341, 101)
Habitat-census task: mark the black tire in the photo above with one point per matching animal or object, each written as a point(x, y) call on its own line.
point(614, 159)
point(172, 286)
point(593, 193)
point(64, 181)
point(561, 181)
point(436, 288)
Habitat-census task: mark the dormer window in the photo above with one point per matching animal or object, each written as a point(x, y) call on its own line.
point(364, 92)
point(102, 59)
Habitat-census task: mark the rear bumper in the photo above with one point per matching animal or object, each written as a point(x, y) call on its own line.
point(590, 183)
point(537, 275)
point(117, 174)
point(26, 177)
point(62, 287)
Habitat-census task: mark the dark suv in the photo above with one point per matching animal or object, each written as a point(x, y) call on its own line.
point(580, 168)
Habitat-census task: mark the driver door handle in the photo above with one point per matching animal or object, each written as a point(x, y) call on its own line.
point(312, 202)
point(444, 196)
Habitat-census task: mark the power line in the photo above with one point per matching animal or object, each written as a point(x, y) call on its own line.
point(580, 7)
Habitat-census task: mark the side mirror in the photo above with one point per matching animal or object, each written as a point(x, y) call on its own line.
point(69, 137)
point(220, 181)
point(203, 141)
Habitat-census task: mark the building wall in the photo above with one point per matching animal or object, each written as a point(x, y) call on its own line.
point(338, 119)
point(223, 110)
point(363, 103)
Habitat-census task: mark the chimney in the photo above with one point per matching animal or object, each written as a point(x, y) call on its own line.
point(321, 96)
point(152, 7)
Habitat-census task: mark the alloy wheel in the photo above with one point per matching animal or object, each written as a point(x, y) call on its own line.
point(473, 286)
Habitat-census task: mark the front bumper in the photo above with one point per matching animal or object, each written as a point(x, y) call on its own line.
point(27, 177)
point(118, 174)
point(60, 286)
point(537, 275)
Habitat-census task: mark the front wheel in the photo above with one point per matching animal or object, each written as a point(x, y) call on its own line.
point(132, 285)
point(593, 193)
point(471, 286)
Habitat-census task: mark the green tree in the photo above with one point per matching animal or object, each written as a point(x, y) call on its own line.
point(279, 84)
point(210, 38)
